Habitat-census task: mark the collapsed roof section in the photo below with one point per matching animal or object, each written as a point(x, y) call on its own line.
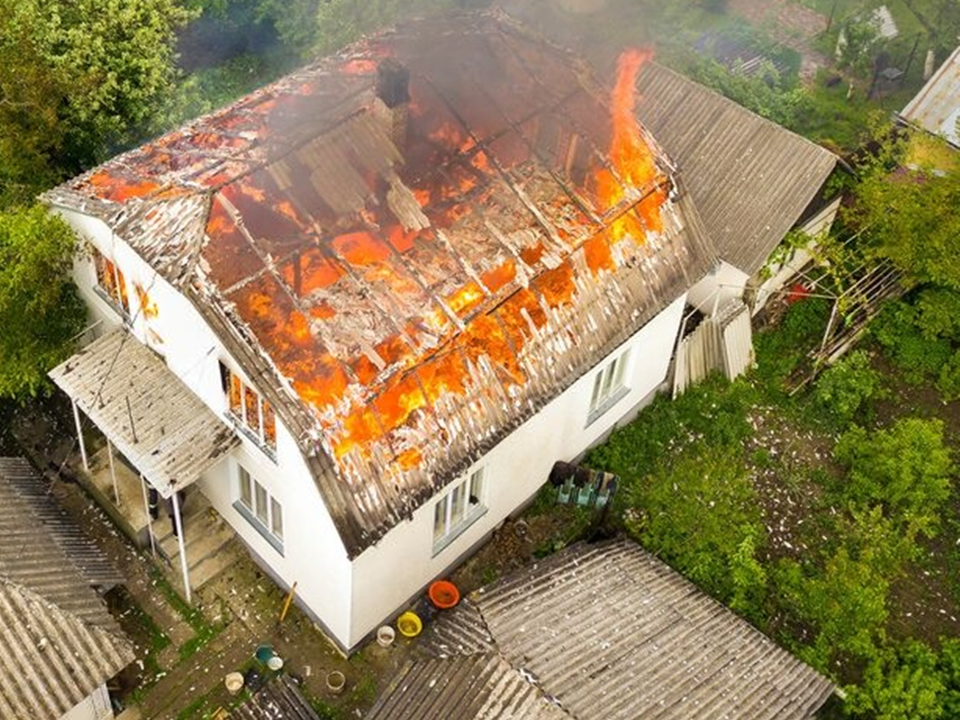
point(412, 246)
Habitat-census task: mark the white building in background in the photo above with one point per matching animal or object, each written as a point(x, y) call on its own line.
point(381, 297)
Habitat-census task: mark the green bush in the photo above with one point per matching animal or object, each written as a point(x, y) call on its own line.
point(700, 513)
point(920, 357)
point(938, 313)
point(905, 468)
point(901, 683)
point(948, 382)
point(780, 349)
point(849, 386)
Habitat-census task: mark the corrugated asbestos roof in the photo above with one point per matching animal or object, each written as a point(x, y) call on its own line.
point(406, 286)
point(472, 687)
point(609, 632)
point(59, 642)
point(117, 381)
point(936, 108)
point(277, 700)
point(750, 179)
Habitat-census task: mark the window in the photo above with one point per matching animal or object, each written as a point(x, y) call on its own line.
point(458, 509)
point(111, 283)
point(608, 385)
point(252, 414)
point(260, 509)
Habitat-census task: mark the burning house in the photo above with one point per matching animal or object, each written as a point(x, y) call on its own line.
point(398, 285)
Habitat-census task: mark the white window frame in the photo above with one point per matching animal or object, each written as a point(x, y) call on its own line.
point(119, 281)
point(240, 420)
point(252, 497)
point(609, 385)
point(461, 506)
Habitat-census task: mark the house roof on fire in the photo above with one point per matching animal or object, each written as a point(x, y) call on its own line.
point(59, 642)
point(599, 631)
point(751, 179)
point(407, 282)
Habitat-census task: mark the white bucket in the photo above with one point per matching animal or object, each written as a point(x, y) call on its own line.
point(385, 636)
point(234, 682)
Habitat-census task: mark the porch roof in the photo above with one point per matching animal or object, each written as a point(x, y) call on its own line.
point(145, 410)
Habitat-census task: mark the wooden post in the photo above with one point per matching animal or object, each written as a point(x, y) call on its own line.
point(83, 448)
point(183, 550)
point(146, 507)
point(113, 474)
point(286, 603)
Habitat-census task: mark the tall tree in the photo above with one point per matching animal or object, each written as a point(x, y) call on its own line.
point(40, 311)
point(75, 77)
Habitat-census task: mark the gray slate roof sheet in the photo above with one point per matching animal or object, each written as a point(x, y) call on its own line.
point(175, 437)
point(611, 632)
point(750, 179)
point(59, 642)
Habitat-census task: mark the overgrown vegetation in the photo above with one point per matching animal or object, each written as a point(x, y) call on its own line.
point(690, 470)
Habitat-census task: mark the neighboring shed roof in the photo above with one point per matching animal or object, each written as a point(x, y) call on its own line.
point(406, 299)
point(472, 687)
point(116, 381)
point(277, 700)
point(609, 632)
point(936, 108)
point(58, 641)
point(750, 179)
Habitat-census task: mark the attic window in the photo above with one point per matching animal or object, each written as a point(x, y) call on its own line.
point(111, 284)
point(251, 413)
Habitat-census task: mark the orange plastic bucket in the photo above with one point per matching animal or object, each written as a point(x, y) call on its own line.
point(444, 594)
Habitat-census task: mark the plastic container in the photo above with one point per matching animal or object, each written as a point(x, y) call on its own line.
point(444, 594)
point(336, 681)
point(233, 682)
point(264, 653)
point(409, 624)
point(386, 636)
point(275, 663)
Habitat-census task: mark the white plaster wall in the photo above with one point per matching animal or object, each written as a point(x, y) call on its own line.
point(314, 555)
point(723, 284)
point(389, 574)
point(96, 706)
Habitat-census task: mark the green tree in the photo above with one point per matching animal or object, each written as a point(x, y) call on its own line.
point(76, 76)
point(855, 47)
point(40, 311)
point(848, 386)
point(905, 468)
point(911, 217)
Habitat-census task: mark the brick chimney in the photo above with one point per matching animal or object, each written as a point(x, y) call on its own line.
point(392, 104)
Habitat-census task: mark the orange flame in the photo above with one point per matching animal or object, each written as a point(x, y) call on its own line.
point(631, 157)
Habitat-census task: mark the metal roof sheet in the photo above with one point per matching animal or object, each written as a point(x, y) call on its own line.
point(149, 414)
point(750, 179)
point(611, 632)
point(59, 642)
point(936, 108)
point(405, 302)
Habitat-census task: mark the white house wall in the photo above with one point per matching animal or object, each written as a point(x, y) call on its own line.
point(388, 575)
point(314, 555)
point(715, 290)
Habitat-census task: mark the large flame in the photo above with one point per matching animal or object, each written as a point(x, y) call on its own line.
point(632, 160)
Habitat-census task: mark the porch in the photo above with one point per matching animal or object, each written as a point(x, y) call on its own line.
point(209, 541)
point(160, 439)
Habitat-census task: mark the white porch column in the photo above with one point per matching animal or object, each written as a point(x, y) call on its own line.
point(146, 509)
point(83, 449)
point(183, 551)
point(113, 474)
